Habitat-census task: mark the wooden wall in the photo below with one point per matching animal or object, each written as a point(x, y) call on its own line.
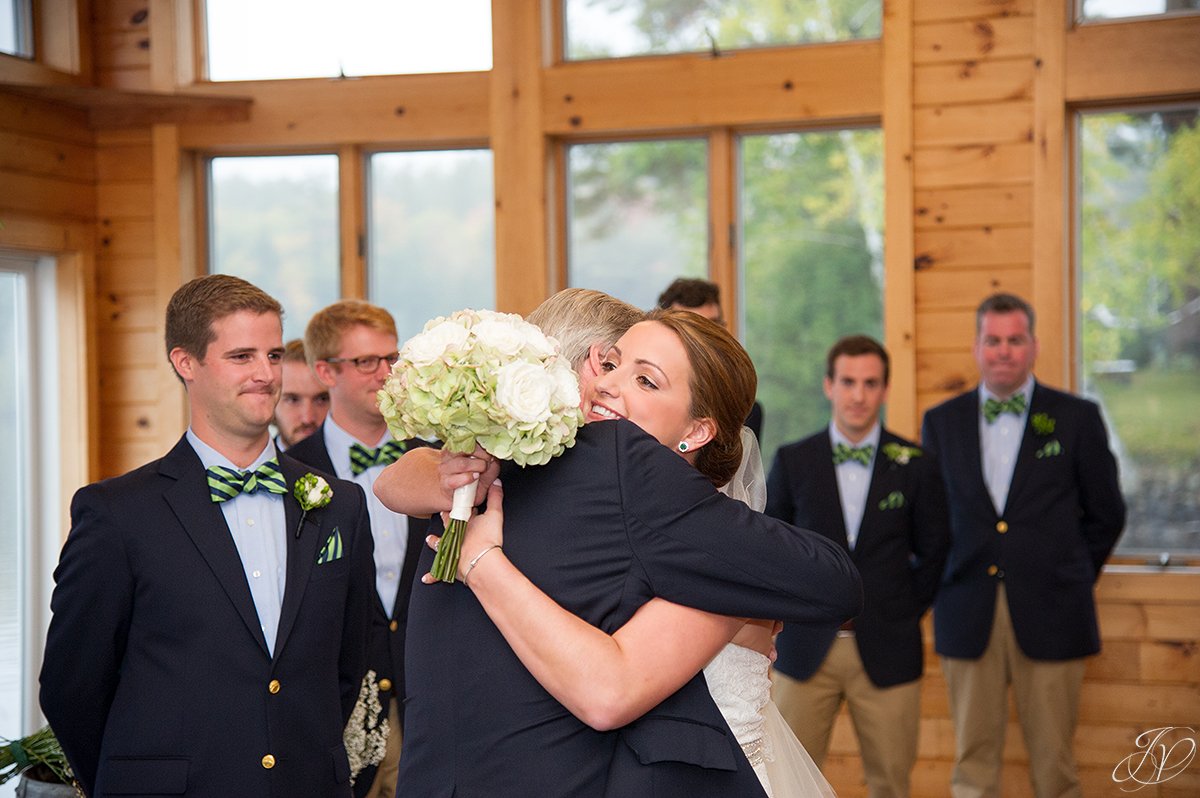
point(975, 98)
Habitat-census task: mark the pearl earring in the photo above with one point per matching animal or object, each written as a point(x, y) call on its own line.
point(683, 446)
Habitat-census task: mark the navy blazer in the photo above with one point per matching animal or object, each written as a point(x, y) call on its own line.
point(900, 551)
point(1063, 516)
point(157, 679)
point(386, 654)
point(613, 522)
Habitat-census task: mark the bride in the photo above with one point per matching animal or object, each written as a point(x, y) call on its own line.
point(688, 383)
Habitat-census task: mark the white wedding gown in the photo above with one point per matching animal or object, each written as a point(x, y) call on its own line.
point(739, 683)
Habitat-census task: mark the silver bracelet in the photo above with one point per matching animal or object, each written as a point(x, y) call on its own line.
point(476, 559)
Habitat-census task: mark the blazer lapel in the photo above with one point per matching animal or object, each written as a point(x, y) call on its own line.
point(204, 523)
point(876, 490)
point(825, 476)
point(971, 449)
point(301, 551)
point(1025, 455)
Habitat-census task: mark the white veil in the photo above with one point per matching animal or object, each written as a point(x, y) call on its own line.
point(749, 482)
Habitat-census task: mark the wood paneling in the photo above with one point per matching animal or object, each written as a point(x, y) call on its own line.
point(973, 82)
point(973, 165)
point(973, 247)
point(939, 208)
point(993, 123)
point(940, 10)
point(973, 39)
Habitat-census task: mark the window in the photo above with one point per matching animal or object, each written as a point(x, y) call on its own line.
point(274, 222)
point(29, 514)
point(811, 219)
point(431, 226)
point(309, 39)
point(1092, 10)
point(15, 34)
point(1139, 311)
point(616, 28)
point(637, 216)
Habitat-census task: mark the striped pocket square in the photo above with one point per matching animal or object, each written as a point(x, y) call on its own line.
point(332, 550)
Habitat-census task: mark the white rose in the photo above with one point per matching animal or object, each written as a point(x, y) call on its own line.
point(425, 348)
point(500, 335)
point(566, 385)
point(524, 390)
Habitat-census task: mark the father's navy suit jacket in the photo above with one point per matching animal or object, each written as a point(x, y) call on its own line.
point(900, 551)
point(386, 653)
point(613, 522)
point(157, 678)
point(1063, 516)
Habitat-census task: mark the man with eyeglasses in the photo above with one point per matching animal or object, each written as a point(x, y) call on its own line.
point(351, 346)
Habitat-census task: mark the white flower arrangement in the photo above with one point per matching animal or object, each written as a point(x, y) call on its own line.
point(486, 378)
point(366, 733)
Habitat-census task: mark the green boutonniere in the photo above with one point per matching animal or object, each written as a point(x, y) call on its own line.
point(313, 493)
point(894, 500)
point(1042, 424)
point(900, 454)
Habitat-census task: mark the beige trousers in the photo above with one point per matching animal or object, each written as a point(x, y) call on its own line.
point(886, 720)
point(384, 785)
point(1047, 698)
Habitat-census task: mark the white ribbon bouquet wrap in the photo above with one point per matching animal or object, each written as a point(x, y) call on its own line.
point(486, 378)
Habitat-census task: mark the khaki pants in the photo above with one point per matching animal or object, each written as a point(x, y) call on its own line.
point(1047, 698)
point(384, 785)
point(886, 720)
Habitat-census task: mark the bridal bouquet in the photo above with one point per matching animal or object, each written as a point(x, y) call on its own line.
point(486, 378)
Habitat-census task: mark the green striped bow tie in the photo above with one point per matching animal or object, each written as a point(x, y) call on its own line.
point(859, 454)
point(993, 409)
point(362, 458)
point(226, 483)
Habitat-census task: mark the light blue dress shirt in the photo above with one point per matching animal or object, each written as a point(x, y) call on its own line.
point(854, 479)
point(389, 529)
point(999, 443)
point(258, 526)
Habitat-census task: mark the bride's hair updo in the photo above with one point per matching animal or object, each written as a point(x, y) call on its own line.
point(723, 383)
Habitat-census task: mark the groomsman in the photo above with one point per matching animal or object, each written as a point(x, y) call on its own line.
point(351, 346)
point(304, 401)
point(1035, 510)
point(209, 634)
point(881, 497)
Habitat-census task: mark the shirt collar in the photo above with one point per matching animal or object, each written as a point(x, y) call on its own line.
point(872, 437)
point(1026, 389)
point(338, 441)
point(210, 457)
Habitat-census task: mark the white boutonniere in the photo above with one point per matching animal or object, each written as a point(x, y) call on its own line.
point(313, 493)
point(899, 454)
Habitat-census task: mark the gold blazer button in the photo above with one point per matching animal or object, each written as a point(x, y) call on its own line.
point(274, 686)
point(385, 685)
point(268, 761)
point(992, 570)
point(1001, 527)
point(394, 625)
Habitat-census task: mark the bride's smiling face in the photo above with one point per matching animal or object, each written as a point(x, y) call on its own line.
point(645, 378)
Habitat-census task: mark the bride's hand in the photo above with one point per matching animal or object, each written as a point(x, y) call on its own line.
point(456, 470)
point(758, 635)
point(484, 531)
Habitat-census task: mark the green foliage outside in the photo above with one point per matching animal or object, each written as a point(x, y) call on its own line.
point(1140, 311)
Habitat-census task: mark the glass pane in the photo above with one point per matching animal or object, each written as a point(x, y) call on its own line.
point(14, 487)
point(275, 223)
point(812, 265)
point(637, 216)
point(432, 228)
point(616, 28)
point(310, 39)
point(1116, 9)
point(14, 28)
point(1140, 312)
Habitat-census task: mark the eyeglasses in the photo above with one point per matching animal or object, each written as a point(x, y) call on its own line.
point(367, 363)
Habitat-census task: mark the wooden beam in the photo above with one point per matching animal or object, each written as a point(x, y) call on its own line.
point(169, 410)
point(352, 205)
point(899, 298)
point(746, 87)
point(520, 158)
point(1131, 61)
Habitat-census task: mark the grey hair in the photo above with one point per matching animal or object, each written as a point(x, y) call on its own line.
point(580, 317)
